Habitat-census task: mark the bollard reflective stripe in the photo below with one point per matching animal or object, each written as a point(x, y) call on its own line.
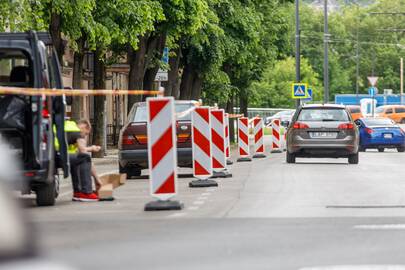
point(201, 139)
point(162, 150)
point(243, 137)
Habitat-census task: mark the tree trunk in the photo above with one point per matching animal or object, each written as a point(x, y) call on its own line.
point(136, 61)
point(100, 125)
point(55, 31)
point(243, 102)
point(197, 87)
point(155, 52)
point(187, 80)
point(229, 109)
point(77, 79)
point(174, 79)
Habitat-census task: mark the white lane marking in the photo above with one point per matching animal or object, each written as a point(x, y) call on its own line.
point(356, 267)
point(210, 189)
point(193, 208)
point(199, 202)
point(206, 194)
point(177, 215)
point(380, 227)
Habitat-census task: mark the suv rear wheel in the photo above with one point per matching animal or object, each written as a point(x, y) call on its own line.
point(47, 194)
point(130, 171)
point(354, 159)
point(290, 158)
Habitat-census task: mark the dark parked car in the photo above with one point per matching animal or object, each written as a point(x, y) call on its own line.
point(322, 131)
point(132, 144)
point(29, 124)
point(380, 133)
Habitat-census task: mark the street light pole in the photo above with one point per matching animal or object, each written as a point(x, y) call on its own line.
point(326, 59)
point(297, 48)
point(357, 58)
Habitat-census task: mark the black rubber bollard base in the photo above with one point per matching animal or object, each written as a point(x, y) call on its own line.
point(202, 183)
point(277, 151)
point(244, 159)
point(163, 205)
point(229, 162)
point(223, 174)
point(259, 156)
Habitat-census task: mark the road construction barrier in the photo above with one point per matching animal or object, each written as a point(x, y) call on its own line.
point(202, 147)
point(243, 139)
point(276, 140)
point(218, 143)
point(162, 153)
point(258, 135)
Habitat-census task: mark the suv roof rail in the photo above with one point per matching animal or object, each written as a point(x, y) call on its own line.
point(43, 36)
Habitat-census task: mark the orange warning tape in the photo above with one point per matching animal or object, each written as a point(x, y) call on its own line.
point(72, 92)
point(235, 115)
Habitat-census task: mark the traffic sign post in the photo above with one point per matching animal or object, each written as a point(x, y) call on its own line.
point(202, 148)
point(162, 152)
point(299, 90)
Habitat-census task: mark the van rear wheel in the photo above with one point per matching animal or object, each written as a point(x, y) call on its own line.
point(46, 194)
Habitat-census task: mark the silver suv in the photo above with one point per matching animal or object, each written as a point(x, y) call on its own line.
point(320, 130)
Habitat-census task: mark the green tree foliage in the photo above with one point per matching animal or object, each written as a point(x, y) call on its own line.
point(274, 90)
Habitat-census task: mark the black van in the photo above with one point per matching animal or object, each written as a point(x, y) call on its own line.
point(31, 124)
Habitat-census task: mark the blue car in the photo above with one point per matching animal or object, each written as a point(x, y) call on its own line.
point(380, 133)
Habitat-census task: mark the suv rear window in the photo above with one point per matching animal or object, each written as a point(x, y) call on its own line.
point(183, 112)
point(323, 114)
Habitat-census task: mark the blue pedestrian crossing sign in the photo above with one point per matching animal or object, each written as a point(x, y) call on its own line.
point(309, 92)
point(299, 90)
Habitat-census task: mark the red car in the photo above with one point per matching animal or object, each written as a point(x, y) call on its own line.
point(133, 140)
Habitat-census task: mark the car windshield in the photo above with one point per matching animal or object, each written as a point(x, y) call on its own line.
point(183, 112)
point(323, 115)
point(379, 109)
point(378, 122)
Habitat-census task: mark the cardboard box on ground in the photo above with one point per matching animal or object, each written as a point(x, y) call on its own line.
point(109, 182)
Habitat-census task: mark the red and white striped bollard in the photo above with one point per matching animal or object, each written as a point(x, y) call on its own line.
point(258, 135)
point(218, 143)
point(243, 140)
point(202, 147)
point(162, 152)
point(276, 139)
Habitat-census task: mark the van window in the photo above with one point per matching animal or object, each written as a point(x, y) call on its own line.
point(388, 111)
point(15, 69)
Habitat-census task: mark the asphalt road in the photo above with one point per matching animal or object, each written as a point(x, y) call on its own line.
point(270, 215)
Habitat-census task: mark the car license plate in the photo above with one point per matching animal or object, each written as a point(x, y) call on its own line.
point(387, 136)
point(323, 135)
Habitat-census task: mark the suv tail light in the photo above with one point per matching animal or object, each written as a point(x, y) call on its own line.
point(346, 126)
point(128, 140)
point(369, 130)
point(299, 125)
